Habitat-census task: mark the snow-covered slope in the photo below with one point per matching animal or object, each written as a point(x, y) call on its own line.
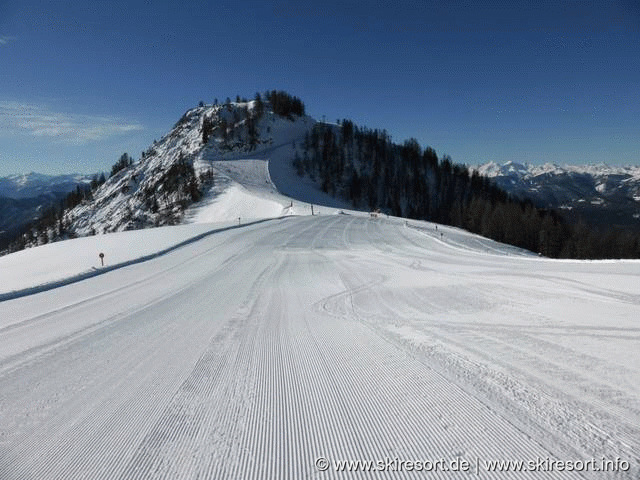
point(283, 348)
point(49, 266)
point(261, 183)
point(600, 193)
point(191, 160)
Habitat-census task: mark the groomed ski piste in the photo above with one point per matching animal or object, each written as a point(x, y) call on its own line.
point(259, 341)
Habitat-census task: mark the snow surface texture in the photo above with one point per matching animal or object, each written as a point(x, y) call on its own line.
point(254, 351)
point(55, 264)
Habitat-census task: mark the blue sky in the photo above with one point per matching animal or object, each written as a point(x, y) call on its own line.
point(81, 82)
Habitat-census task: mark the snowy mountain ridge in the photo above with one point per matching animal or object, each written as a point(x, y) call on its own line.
point(177, 170)
point(23, 198)
point(527, 170)
point(30, 185)
point(599, 193)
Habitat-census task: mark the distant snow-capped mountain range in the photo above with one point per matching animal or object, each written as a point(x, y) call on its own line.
point(31, 185)
point(23, 196)
point(600, 193)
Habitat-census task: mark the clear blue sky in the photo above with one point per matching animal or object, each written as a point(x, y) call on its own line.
point(83, 81)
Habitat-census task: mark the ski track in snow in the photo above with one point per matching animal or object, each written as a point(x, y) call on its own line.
point(337, 336)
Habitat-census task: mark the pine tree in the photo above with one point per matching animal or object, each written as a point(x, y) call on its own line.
point(259, 106)
point(125, 161)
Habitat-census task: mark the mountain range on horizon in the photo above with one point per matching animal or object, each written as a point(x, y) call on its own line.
point(33, 184)
point(24, 196)
point(601, 194)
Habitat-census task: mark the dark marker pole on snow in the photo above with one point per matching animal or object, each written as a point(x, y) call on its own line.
point(238, 220)
point(101, 255)
point(312, 210)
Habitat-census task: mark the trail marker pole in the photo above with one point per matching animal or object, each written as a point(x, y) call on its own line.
point(101, 255)
point(239, 221)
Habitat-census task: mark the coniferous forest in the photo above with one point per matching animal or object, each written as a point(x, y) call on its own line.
point(366, 168)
